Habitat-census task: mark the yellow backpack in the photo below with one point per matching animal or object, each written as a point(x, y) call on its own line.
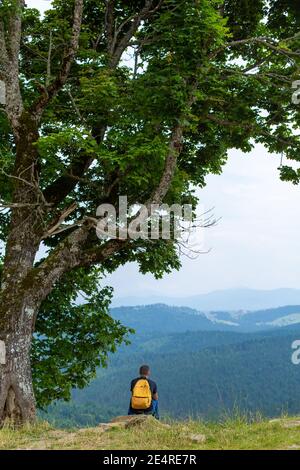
point(141, 395)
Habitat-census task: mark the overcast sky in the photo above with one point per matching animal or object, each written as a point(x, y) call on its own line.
point(42, 5)
point(256, 244)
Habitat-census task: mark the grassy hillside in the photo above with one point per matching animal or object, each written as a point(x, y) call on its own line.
point(191, 435)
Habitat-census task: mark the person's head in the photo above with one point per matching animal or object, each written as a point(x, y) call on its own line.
point(145, 371)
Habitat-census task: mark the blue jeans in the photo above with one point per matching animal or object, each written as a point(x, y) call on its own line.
point(153, 411)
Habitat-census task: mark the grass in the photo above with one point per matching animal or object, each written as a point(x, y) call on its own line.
point(236, 434)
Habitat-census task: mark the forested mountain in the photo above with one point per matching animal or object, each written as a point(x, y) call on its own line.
point(281, 316)
point(252, 376)
point(163, 318)
point(200, 373)
point(160, 317)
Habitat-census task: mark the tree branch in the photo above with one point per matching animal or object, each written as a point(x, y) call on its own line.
point(264, 41)
point(3, 53)
point(64, 184)
point(170, 166)
point(48, 77)
point(69, 255)
point(118, 46)
point(110, 24)
point(9, 53)
point(57, 223)
point(51, 91)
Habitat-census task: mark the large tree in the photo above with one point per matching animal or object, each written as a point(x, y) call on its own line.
point(82, 124)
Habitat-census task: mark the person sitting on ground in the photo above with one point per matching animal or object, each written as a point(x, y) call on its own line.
point(144, 395)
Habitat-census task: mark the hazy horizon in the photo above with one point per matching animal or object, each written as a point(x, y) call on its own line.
point(242, 299)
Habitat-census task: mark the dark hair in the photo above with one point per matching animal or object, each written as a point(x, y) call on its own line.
point(144, 370)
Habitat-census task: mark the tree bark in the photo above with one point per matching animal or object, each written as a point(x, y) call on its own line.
point(17, 403)
point(18, 305)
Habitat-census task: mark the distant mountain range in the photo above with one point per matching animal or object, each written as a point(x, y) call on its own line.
point(165, 318)
point(231, 299)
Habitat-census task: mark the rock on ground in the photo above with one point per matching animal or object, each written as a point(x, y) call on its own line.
point(198, 438)
point(126, 422)
point(287, 424)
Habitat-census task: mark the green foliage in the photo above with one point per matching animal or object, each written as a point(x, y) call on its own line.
point(7, 8)
point(244, 16)
point(284, 16)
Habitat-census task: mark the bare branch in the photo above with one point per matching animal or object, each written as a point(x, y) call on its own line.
point(20, 205)
point(264, 41)
point(76, 109)
point(121, 42)
point(48, 77)
point(62, 217)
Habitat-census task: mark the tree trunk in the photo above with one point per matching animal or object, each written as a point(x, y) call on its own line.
point(18, 308)
point(17, 318)
point(18, 305)
point(17, 402)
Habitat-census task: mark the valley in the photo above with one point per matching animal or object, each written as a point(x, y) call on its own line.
point(204, 369)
